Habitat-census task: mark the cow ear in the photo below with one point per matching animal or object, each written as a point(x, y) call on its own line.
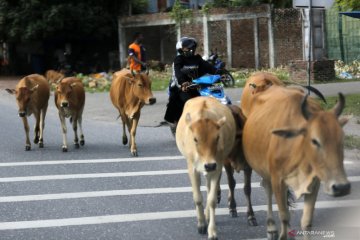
point(34, 88)
point(11, 91)
point(288, 133)
point(221, 121)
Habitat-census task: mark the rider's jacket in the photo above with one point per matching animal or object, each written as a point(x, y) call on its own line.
point(194, 67)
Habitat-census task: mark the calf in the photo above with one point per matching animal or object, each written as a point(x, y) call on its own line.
point(129, 92)
point(53, 76)
point(32, 95)
point(70, 101)
point(205, 136)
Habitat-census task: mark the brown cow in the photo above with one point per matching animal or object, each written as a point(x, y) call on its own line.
point(235, 162)
point(32, 96)
point(291, 142)
point(205, 136)
point(53, 76)
point(129, 92)
point(70, 101)
point(256, 83)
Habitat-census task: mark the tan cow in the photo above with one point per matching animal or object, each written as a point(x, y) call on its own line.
point(205, 136)
point(32, 95)
point(53, 76)
point(256, 83)
point(70, 101)
point(291, 142)
point(129, 92)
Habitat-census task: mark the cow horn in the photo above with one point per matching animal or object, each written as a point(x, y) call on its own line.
point(133, 73)
point(304, 109)
point(339, 107)
point(147, 71)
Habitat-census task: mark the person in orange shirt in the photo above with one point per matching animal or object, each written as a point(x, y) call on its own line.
point(137, 57)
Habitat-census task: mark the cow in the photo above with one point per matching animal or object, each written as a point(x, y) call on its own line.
point(205, 136)
point(235, 162)
point(129, 92)
point(256, 83)
point(70, 101)
point(53, 76)
point(291, 142)
point(32, 95)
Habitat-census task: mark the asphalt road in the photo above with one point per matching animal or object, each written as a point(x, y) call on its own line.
point(100, 192)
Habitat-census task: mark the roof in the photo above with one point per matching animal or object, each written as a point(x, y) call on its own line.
point(354, 14)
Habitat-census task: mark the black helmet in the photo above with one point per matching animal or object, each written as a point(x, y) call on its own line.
point(186, 42)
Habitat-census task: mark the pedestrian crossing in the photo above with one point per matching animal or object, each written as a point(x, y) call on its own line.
point(147, 186)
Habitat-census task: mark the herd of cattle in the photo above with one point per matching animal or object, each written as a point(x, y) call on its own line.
point(278, 131)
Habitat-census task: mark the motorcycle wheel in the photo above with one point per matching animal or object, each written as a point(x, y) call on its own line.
point(227, 79)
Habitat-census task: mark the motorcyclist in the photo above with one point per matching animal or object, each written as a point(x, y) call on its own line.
point(186, 66)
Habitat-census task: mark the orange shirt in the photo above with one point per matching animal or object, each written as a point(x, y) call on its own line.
point(135, 50)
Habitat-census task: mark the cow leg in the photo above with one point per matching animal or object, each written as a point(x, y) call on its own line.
point(271, 226)
point(27, 129)
point(309, 205)
point(212, 186)
point(134, 123)
point(82, 139)
point(198, 198)
point(64, 130)
point(247, 190)
point(232, 184)
point(124, 121)
point(280, 191)
point(36, 127)
point(74, 125)
point(42, 126)
point(219, 191)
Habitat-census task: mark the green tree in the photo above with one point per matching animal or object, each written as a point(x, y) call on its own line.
point(348, 5)
point(23, 20)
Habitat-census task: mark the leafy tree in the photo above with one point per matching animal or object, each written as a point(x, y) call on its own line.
point(23, 20)
point(347, 5)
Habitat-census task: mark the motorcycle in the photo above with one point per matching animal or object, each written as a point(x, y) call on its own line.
point(209, 86)
point(227, 78)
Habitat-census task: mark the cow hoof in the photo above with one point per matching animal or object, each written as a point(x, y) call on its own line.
point(233, 213)
point(41, 145)
point(202, 230)
point(272, 235)
point(124, 140)
point(36, 140)
point(77, 145)
point(134, 153)
point(27, 148)
point(212, 238)
point(64, 149)
point(82, 142)
point(252, 221)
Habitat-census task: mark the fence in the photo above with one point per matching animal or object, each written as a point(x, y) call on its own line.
point(345, 46)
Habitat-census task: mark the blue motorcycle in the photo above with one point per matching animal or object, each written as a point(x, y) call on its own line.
point(227, 79)
point(209, 86)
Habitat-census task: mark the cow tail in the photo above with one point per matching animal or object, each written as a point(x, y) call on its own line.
point(71, 120)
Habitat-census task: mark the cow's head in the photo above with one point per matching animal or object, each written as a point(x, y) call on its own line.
point(261, 81)
point(64, 91)
point(324, 145)
point(205, 135)
point(141, 87)
point(23, 97)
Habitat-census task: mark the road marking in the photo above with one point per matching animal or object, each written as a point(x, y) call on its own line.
point(91, 175)
point(148, 216)
point(94, 161)
point(91, 161)
point(126, 192)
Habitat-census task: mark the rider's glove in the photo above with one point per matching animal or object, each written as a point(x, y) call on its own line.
point(184, 86)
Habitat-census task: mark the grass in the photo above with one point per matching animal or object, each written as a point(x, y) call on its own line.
point(352, 104)
point(352, 142)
